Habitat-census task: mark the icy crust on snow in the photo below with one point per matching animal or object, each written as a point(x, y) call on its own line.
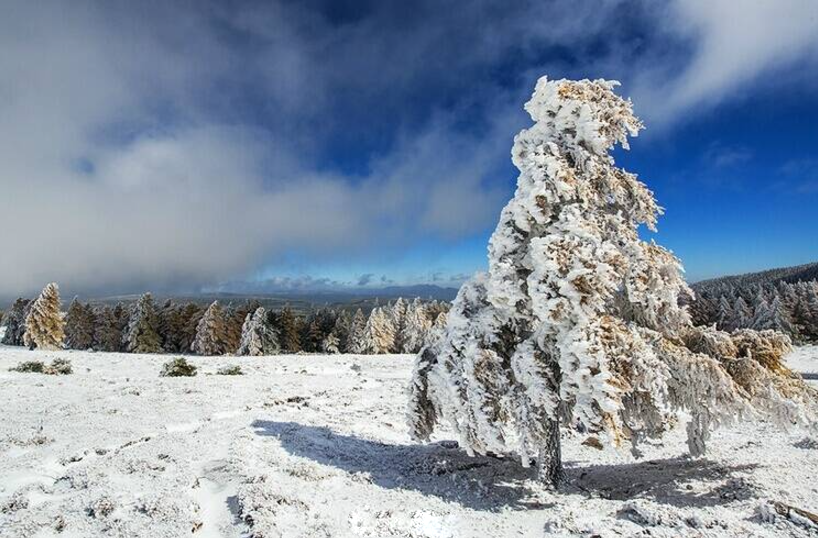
point(313, 446)
point(577, 320)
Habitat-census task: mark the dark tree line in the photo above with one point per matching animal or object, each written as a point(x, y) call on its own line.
point(245, 328)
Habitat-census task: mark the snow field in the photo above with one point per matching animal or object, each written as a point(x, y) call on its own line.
point(317, 446)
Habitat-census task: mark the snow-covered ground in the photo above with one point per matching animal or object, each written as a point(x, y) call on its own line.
point(316, 446)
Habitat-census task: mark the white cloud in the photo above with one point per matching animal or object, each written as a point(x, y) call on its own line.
point(734, 44)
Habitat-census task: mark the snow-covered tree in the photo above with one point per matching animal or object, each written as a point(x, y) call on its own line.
point(141, 335)
point(79, 325)
point(416, 327)
point(742, 315)
point(258, 335)
point(234, 318)
point(397, 314)
point(107, 333)
point(725, 315)
point(313, 336)
point(288, 331)
point(809, 312)
point(577, 323)
point(168, 317)
point(356, 341)
point(15, 321)
point(45, 326)
point(379, 333)
point(772, 316)
point(211, 332)
point(189, 319)
point(341, 329)
point(331, 344)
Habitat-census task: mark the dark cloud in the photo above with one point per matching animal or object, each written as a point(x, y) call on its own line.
point(158, 143)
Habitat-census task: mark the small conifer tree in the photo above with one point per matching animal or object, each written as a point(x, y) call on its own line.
point(15, 321)
point(79, 326)
point(189, 318)
point(258, 335)
point(288, 331)
point(234, 318)
point(356, 341)
point(141, 335)
point(341, 329)
point(107, 334)
point(415, 328)
point(45, 326)
point(331, 344)
point(397, 315)
point(379, 333)
point(313, 336)
point(167, 326)
point(211, 332)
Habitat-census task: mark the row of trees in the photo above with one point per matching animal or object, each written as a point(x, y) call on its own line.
point(791, 308)
point(246, 329)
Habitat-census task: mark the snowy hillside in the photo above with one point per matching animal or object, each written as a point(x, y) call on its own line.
point(317, 446)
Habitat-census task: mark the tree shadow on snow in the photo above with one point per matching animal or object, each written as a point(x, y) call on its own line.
point(682, 481)
point(439, 469)
point(493, 483)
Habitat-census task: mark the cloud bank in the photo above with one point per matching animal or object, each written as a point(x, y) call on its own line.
point(157, 145)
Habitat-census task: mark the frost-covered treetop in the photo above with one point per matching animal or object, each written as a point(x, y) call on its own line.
point(564, 157)
point(574, 218)
point(584, 114)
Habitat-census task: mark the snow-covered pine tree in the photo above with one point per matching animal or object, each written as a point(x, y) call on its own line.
point(356, 342)
point(107, 334)
point(441, 320)
point(725, 314)
point(379, 333)
point(772, 316)
point(233, 323)
point(141, 335)
point(577, 322)
point(812, 306)
point(416, 327)
point(189, 318)
point(288, 331)
point(341, 329)
point(211, 332)
point(79, 325)
point(258, 335)
point(45, 326)
point(234, 318)
point(326, 320)
point(331, 344)
point(15, 321)
point(167, 326)
point(397, 314)
point(742, 315)
point(72, 321)
point(313, 337)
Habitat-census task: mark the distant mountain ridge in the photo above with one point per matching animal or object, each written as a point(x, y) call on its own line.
point(301, 300)
point(424, 291)
point(298, 299)
point(791, 275)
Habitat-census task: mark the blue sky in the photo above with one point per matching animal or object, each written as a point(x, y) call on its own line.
point(186, 145)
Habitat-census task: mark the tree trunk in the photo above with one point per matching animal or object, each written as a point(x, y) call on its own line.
point(549, 462)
